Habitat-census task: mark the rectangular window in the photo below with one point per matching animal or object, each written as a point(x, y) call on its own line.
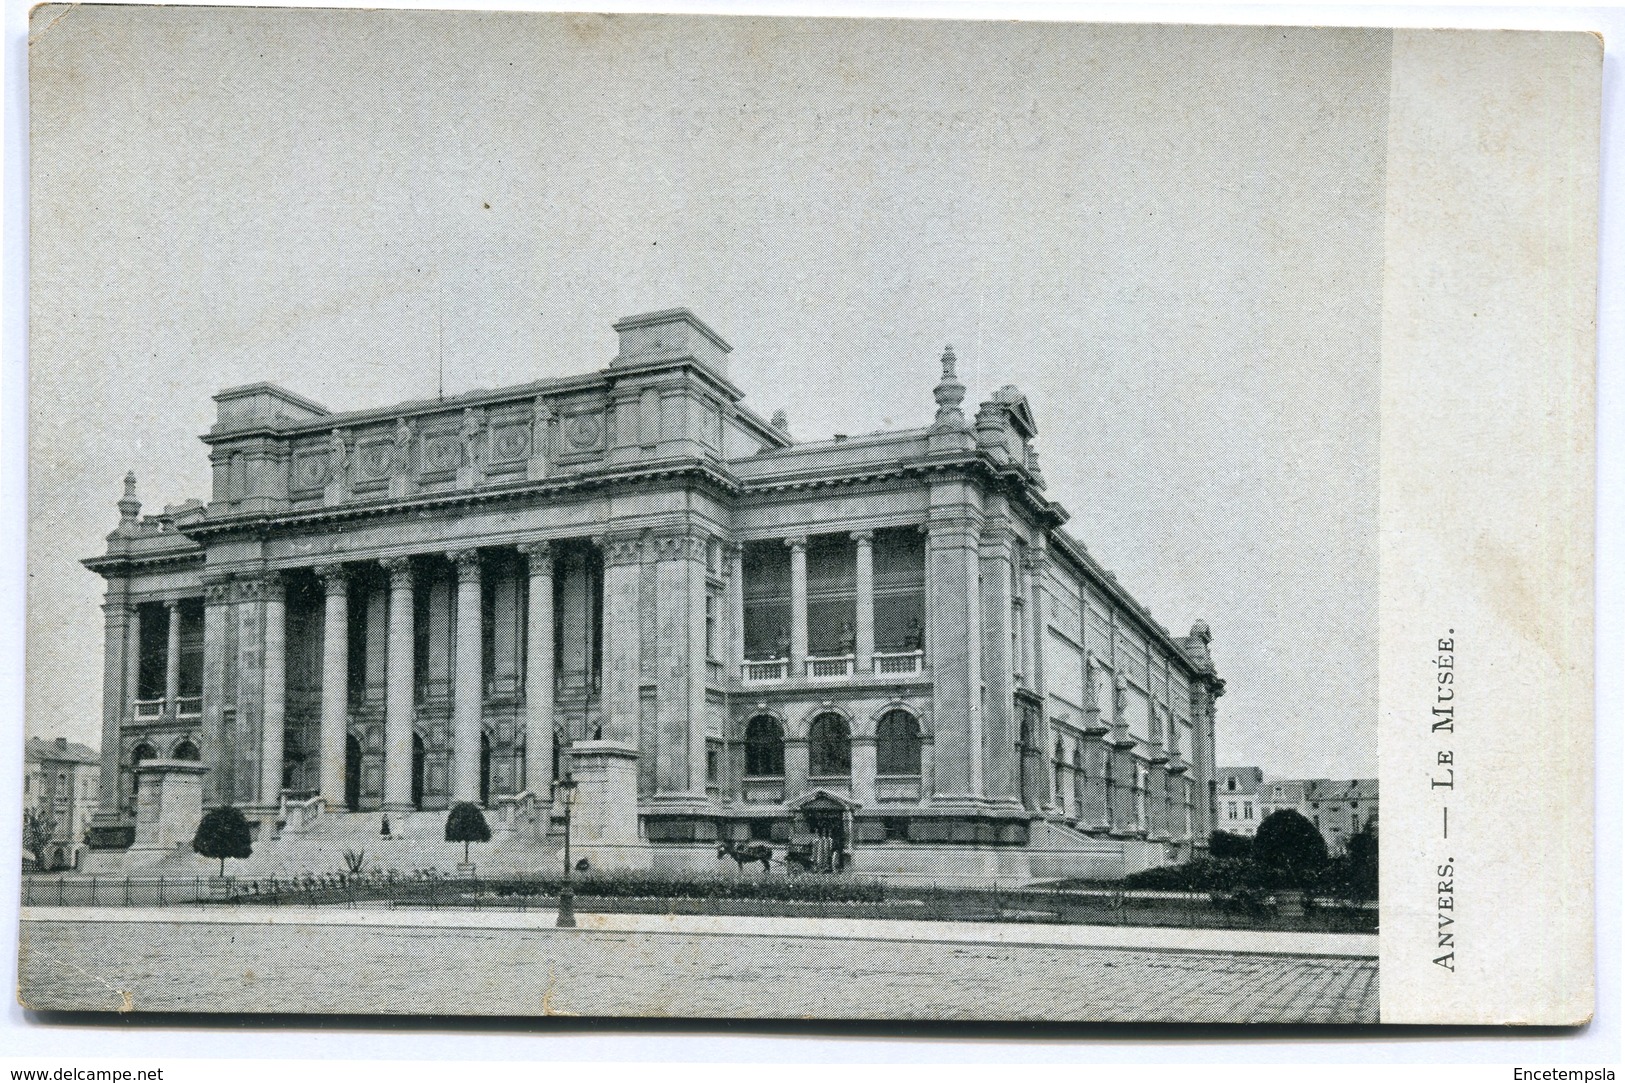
point(710, 624)
point(1232, 811)
point(713, 762)
point(1247, 810)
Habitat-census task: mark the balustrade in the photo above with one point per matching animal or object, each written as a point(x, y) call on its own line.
point(830, 667)
point(775, 669)
point(899, 663)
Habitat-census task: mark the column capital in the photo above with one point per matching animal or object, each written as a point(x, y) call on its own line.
point(621, 548)
point(467, 562)
point(539, 554)
point(862, 536)
point(253, 588)
point(732, 547)
point(679, 545)
point(335, 577)
point(217, 591)
point(172, 604)
point(797, 542)
point(400, 571)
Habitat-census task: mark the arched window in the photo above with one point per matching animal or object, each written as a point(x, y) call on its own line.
point(764, 747)
point(897, 744)
point(830, 747)
point(186, 750)
point(142, 751)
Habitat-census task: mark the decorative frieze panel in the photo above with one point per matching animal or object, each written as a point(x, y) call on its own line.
point(442, 452)
point(311, 469)
point(510, 443)
point(583, 432)
point(373, 459)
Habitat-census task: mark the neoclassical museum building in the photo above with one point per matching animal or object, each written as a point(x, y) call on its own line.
point(631, 579)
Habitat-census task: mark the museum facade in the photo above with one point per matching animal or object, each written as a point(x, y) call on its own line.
point(629, 579)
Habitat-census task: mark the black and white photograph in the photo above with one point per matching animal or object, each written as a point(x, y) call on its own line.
point(746, 517)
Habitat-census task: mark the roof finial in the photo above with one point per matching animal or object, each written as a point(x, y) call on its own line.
point(781, 421)
point(129, 508)
point(949, 393)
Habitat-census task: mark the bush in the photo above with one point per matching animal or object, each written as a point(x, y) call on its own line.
point(1222, 845)
point(1291, 849)
point(465, 824)
point(1203, 874)
point(223, 833)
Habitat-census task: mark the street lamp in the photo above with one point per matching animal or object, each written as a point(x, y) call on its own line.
point(565, 793)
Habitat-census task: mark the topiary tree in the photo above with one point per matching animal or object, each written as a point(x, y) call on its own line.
point(1290, 847)
point(465, 824)
point(223, 833)
point(1224, 845)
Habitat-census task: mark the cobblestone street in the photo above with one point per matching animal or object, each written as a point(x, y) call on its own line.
point(163, 966)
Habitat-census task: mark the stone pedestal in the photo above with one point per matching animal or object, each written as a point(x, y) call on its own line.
point(170, 804)
point(604, 817)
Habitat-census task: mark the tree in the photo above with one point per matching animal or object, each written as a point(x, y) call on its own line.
point(38, 827)
point(466, 824)
point(1290, 847)
point(223, 833)
point(1224, 845)
point(1362, 862)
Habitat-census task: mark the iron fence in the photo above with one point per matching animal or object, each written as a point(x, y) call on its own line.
point(922, 902)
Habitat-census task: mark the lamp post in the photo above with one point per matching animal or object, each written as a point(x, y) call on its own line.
point(566, 795)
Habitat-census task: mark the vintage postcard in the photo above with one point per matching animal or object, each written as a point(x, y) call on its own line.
point(787, 517)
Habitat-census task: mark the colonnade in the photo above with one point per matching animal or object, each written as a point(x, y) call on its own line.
point(467, 691)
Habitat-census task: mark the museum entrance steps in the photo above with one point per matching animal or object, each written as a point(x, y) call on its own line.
point(417, 841)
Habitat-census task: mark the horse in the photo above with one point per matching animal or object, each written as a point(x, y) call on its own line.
point(745, 854)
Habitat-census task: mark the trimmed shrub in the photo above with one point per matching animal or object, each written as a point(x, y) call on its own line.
point(222, 833)
point(465, 823)
point(1291, 849)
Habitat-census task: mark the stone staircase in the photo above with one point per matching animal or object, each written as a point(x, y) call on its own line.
point(417, 841)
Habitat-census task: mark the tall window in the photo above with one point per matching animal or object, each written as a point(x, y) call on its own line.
point(764, 747)
point(1059, 774)
point(897, 744)
point(829, 747)
point(710, 624)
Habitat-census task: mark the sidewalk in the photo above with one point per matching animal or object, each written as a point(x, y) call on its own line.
point(1127, 937)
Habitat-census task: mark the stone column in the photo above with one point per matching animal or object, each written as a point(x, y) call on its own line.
point(680, 670)
point(1001, 761)
point(117, 617)
point(953, 642)
point(172, 657)
point(736, 609)
point(216, 743)
point(798, 605)
point(623, 647)
point(865, 577)
point(398, 679)
point(335, 681)
point(467, 695)
point(539, 670)
point(1037, 611)
point(273, 716)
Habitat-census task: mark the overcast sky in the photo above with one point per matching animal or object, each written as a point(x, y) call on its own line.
point(1170, 239)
